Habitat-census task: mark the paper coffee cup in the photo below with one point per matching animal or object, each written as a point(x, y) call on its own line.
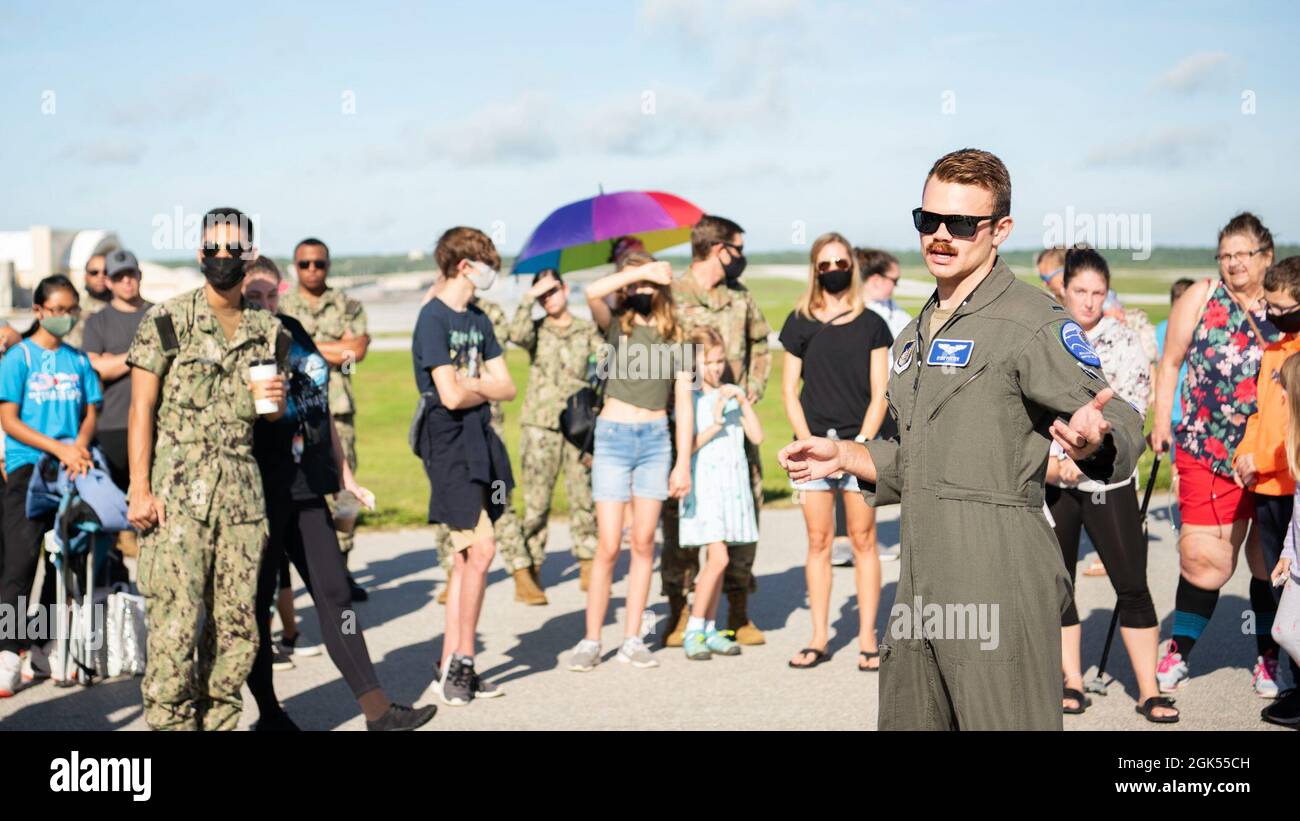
point(260, 371)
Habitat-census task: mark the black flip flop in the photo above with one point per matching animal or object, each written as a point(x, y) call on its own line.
point(1083, 701)
point(1146, 708)
point(819, 656)
point(868, 657)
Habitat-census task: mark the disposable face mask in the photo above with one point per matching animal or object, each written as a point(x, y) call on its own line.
point(59, 326)
point(483, 276)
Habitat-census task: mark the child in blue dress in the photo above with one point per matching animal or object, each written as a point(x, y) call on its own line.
point(719, 510)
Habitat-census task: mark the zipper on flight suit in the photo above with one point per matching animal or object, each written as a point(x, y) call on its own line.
point(959, 390)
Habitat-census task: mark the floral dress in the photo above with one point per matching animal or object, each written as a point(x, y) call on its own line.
point(1219, 394)
point(720, 506)
point(1124, 361)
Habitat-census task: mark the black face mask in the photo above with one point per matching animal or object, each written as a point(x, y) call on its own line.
point(732, 270)
point(1286, 323)
point(835, 280)
point(223, 273)
point(641, 303)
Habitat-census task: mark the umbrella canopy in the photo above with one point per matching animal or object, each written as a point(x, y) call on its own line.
point(581, 234)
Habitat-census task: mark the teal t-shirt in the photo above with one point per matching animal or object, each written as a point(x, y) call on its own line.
point(51, 389)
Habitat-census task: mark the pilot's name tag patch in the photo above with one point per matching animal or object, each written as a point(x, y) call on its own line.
point(904, 356)
point(952, 353)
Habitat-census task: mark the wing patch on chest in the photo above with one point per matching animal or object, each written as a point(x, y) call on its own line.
point(953, 353)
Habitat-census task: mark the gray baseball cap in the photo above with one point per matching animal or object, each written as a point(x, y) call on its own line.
point(120, 261)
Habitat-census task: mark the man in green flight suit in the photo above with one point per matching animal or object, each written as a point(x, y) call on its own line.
point(196, 493)
point(988, 375)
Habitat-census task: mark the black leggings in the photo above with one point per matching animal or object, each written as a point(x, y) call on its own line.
point(1114, 525)
point(305, 531)
point(22, 549)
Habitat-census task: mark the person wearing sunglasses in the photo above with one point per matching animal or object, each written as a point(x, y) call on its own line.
point(98, 295)
point(1217, 320)
point(989, 374)
point(563, 350)
point(1051, 270)
point(840, 352)
point(711, 294)
point(337, 323)
point(196, 492)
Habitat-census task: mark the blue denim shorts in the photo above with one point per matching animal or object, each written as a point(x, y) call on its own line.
point(631, 459)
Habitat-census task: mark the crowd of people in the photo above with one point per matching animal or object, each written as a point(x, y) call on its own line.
point(232, 475)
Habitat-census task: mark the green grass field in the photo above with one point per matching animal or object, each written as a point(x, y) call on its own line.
point(386, 396)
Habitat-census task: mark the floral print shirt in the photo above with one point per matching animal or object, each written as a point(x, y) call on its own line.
point(1219, 394)
point(1124, 362)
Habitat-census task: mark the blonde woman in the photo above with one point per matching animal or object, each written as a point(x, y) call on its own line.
point(840, 352)
point(648, 372)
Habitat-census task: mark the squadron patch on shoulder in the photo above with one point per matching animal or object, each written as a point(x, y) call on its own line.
point(904, 356)
point(954, 353)
point(1076, 342)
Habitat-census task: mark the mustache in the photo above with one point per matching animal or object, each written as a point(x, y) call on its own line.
point(941, 247)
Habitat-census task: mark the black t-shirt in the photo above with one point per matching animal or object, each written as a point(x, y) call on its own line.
point(112, 331)
point(296, 451)
point(444, 336)
point(836, 369)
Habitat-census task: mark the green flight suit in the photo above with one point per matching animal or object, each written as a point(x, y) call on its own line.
point(974, 640)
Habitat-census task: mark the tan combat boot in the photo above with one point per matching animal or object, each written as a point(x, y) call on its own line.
point(738, 619)
point(584, 574)
point(679, 613)
point(526, 590)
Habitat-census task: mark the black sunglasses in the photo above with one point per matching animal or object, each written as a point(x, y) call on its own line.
point(838, 263)
point(235, 249)
point(959, 225)
point(304, 264)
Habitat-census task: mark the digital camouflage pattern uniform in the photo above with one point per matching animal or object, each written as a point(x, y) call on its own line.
point(198, 570)
point(506, 529)
point(326, 319)
point(974, 640)
point(730, 310)
point(561, 360)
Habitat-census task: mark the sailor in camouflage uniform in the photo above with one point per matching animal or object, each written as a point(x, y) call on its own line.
point(710, 295)
point(563, 351)
point(196, 494)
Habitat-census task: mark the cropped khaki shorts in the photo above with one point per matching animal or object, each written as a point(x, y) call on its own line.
point(464, 539)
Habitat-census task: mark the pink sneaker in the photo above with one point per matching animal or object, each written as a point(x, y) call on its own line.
point(1171, 672)
point(1265, 676)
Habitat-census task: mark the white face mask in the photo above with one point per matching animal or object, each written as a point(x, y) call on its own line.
point(483, 276)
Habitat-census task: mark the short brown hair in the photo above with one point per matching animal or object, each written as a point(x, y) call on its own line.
point(1284, 274)
point(971, 166)
point(464, 243)
point(710, 231)
point(873, 262)
point(1179, 287)
point(1056, 255)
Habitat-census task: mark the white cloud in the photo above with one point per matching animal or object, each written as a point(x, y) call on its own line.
point(1170, 148)
point(1195, 72)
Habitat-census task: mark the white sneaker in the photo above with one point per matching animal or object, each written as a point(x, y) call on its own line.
point(586, 655)
point(10, 673)
point(841, 553)
point(889, 554)
point(635, 653)
point(299, 646)
point(1171, 672)
point(1264, 677)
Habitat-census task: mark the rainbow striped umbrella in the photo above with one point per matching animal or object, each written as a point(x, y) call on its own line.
point(581, 234)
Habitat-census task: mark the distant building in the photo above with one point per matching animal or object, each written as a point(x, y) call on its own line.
point(27, 257)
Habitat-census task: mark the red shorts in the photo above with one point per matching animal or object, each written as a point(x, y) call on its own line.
point(1206, 498)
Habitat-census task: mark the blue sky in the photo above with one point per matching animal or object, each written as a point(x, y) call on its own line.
point(781, 114)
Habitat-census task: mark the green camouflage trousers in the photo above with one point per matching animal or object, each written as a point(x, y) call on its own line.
point(199, 582)
point(542, 454)
point(348, 441)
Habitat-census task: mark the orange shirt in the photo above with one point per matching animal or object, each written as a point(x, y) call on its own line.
point(1265, 435)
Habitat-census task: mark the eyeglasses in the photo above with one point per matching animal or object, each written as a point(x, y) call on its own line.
point(1273, 310)
point(549, 294)
point(94, 272)
point(1240, 256)
point(123, 275)
point(73, 311)
point(838, 263)
point(304, 264)
point(737, 250)
point(888, 278)
point(959, 225)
